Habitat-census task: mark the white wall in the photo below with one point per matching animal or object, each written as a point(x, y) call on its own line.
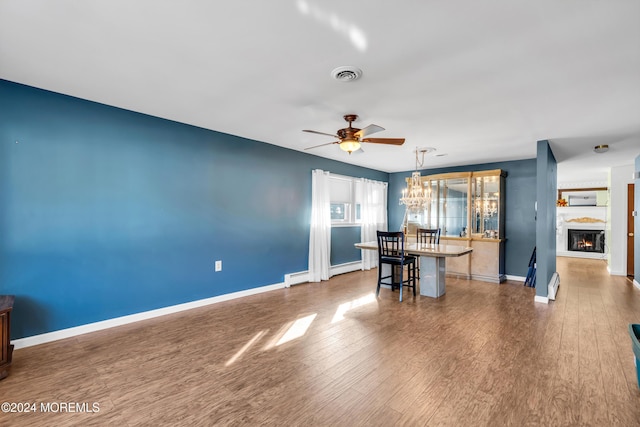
point(616, 236)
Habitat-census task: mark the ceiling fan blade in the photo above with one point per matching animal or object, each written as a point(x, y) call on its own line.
point(322, 145)
point(321, 133)
point(390, 141)
point(368, 131)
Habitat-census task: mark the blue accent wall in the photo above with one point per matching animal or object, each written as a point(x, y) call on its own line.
point(106, 212)
point(520, 192)
point(342, 245)
point(547, 190)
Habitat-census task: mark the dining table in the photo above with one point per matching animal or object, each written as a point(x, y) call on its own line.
point(432, 263)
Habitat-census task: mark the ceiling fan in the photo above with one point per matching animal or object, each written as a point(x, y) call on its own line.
point(350, 138)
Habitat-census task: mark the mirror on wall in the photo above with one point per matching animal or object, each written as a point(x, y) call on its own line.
point(453, 207)
point(447, 209)
point(583, 197)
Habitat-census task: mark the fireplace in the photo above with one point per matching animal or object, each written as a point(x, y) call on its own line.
point(585, 241)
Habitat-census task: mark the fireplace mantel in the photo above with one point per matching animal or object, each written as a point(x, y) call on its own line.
point(585, 220)
point(578, 218)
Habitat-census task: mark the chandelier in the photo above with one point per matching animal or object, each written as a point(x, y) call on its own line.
point(415, 197)
point(490, 207)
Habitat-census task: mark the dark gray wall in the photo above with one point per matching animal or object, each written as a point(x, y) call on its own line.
point(547, 190)
point(520, 191)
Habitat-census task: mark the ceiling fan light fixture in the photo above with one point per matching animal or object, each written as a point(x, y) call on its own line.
point(349, 145)
point(350, 139)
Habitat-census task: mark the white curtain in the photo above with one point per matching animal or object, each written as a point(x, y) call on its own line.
point(320, 235)
point(373, 205)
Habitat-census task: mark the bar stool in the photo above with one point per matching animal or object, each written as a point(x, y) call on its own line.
point(428, 236)
point(391, 252)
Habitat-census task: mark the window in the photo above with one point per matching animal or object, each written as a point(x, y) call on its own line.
point(345, 208)
point(339, 212)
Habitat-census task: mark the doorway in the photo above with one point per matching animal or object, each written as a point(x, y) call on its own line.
point(630, 229)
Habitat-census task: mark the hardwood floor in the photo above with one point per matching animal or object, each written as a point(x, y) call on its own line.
point(481, 355)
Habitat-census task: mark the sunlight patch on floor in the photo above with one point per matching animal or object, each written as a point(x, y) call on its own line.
point(343, 308)
point(297, 329)
point(244, 348)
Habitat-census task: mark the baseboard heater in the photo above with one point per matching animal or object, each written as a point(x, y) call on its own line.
point(303, 276)
point(554, 283)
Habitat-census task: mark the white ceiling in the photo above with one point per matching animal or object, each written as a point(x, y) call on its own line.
point(480, 81)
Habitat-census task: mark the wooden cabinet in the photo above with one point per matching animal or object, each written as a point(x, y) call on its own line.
point(468, 207)
point(6, 305)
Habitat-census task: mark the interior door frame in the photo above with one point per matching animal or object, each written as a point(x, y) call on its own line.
point(630, 229)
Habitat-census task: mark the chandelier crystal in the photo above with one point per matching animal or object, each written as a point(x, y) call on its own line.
point(416, 197)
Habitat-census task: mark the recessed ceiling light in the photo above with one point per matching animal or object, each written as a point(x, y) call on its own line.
point(601, 148)
point(425, 150)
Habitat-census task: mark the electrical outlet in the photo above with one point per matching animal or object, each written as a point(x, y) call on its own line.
point(219, 265)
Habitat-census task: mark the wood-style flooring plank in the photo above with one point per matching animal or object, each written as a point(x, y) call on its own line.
point(481, 355)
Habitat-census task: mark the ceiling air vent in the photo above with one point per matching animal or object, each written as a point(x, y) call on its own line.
point(346, 74)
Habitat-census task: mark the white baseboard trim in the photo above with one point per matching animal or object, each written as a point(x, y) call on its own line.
point(303, 276)
point(516, 278)
point(636, 284)
point(543, 300)
point(131, 318)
